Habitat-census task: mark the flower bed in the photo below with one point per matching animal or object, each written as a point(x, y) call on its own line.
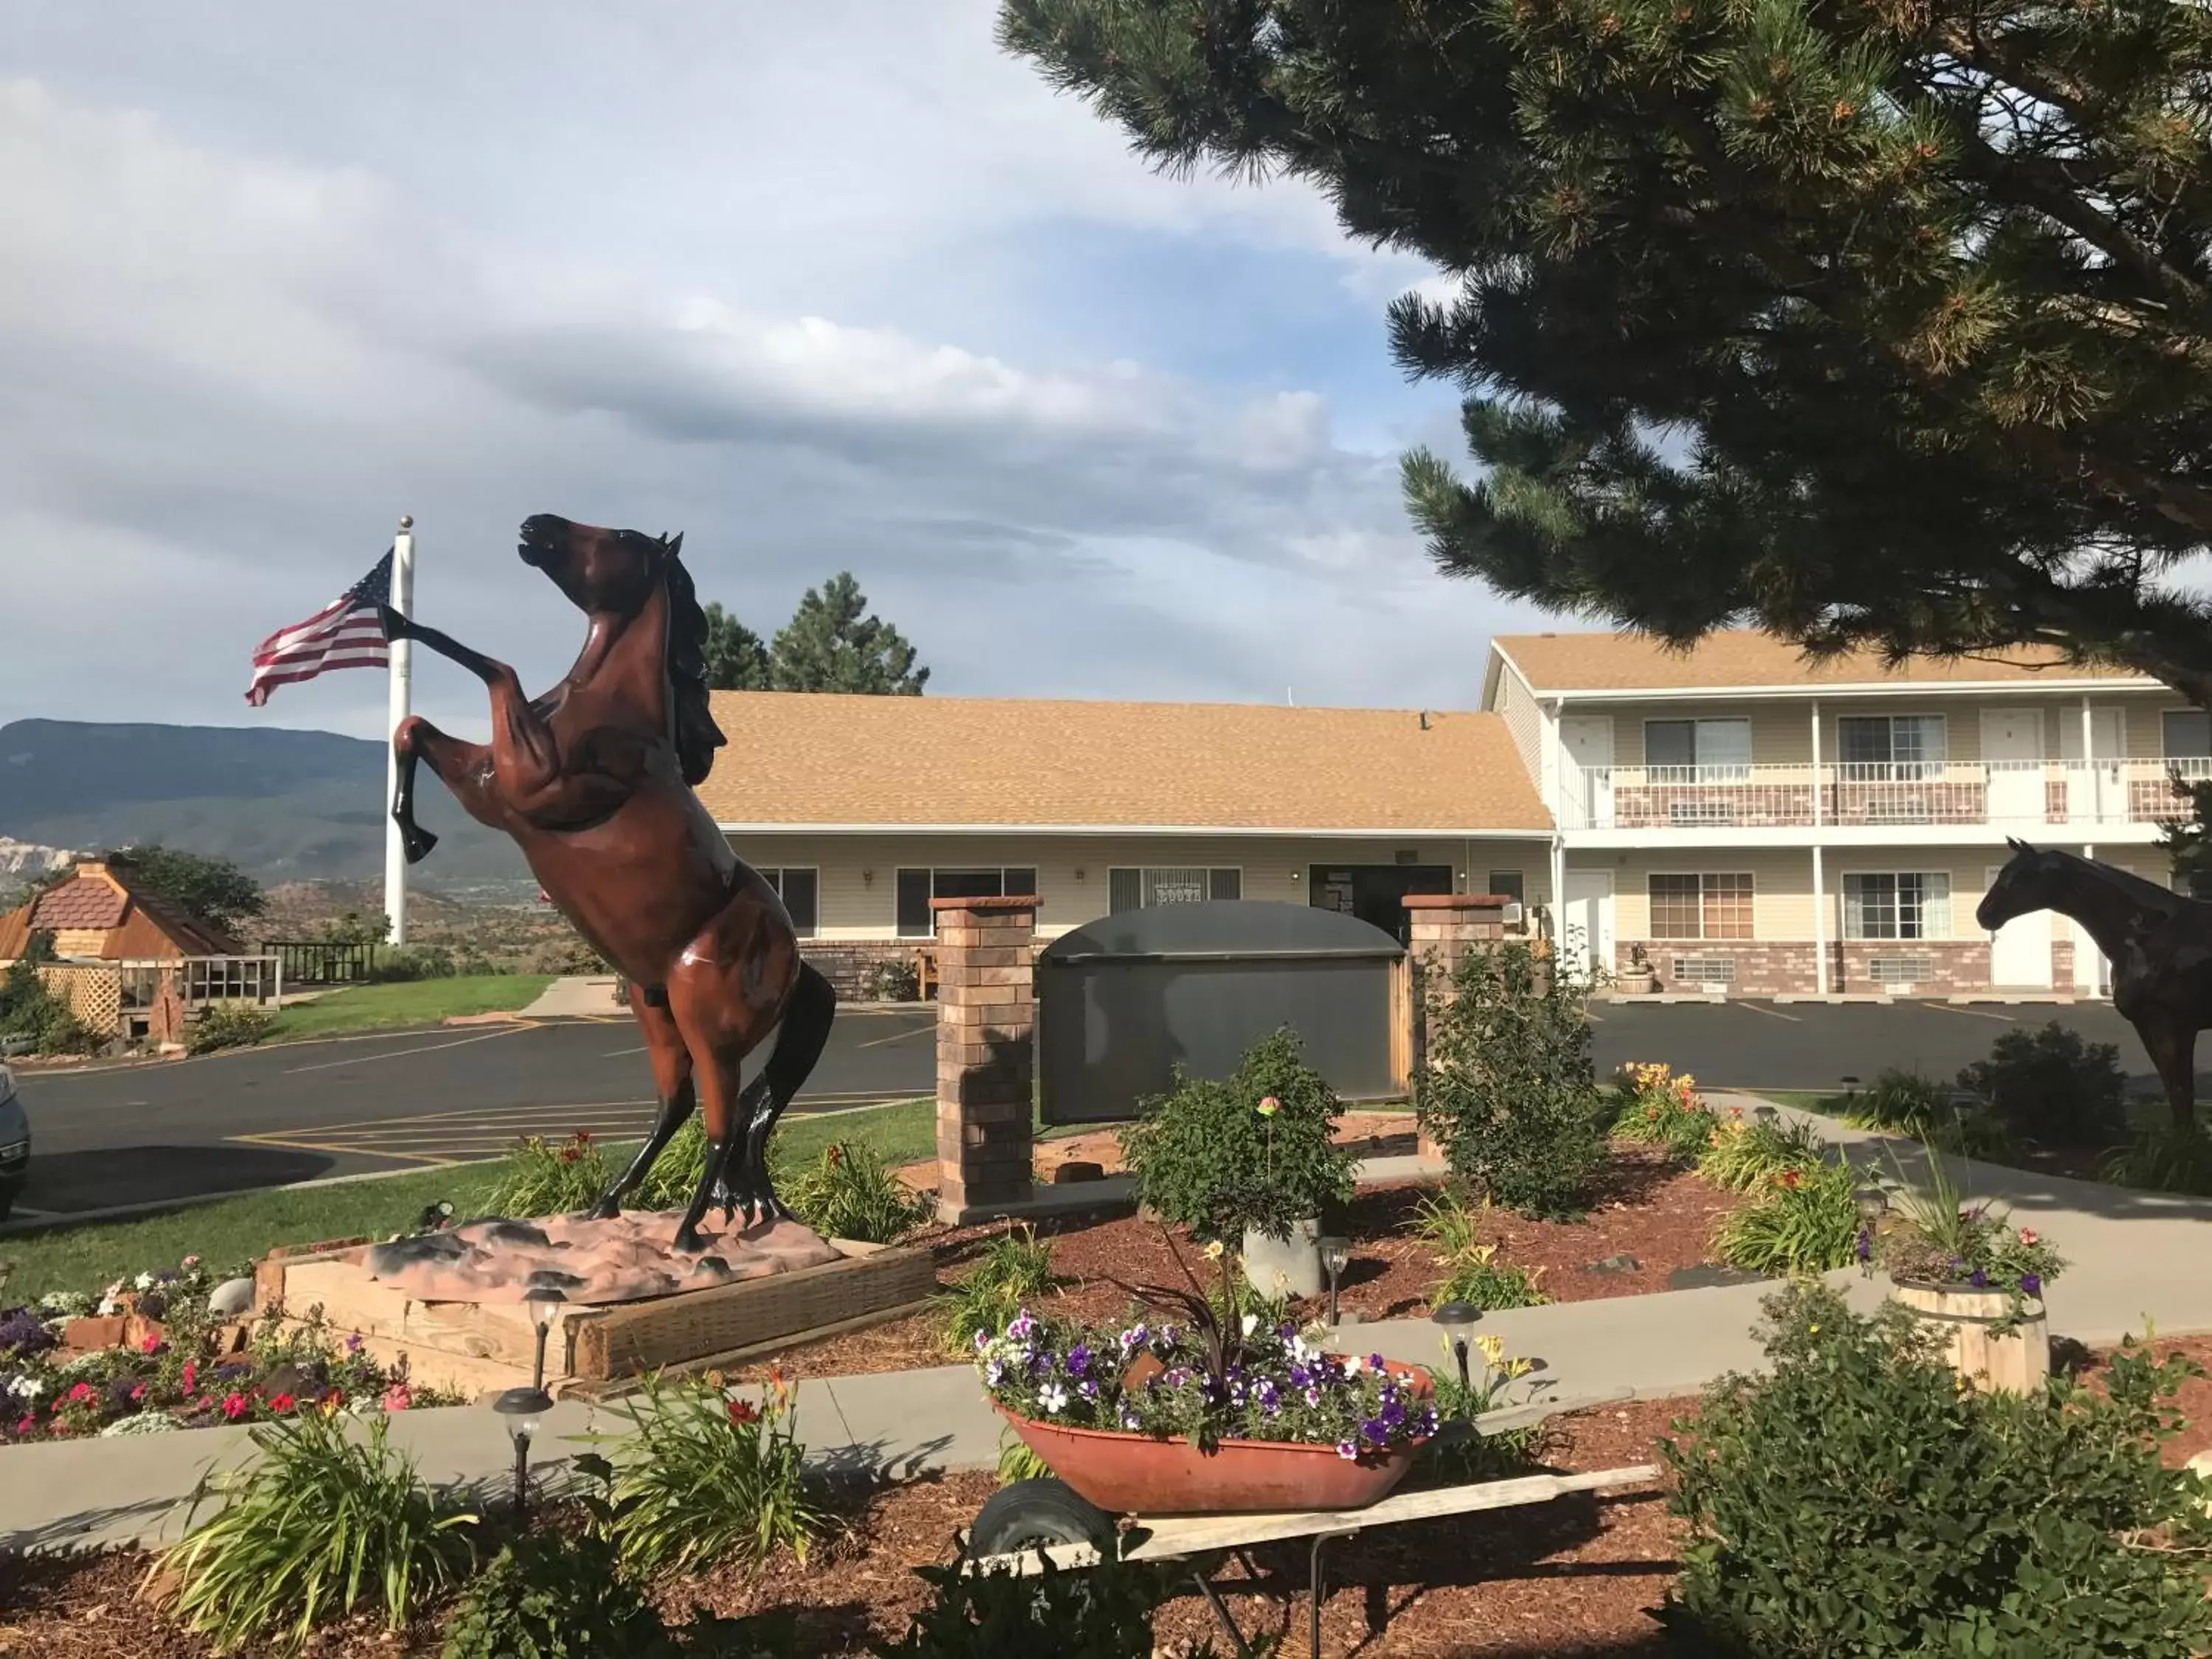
point(168, 1364)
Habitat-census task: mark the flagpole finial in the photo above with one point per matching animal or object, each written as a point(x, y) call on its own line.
point(407, 522)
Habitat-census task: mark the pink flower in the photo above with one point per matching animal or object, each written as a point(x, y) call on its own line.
point(280, 1403)
point(235, 1407)
point(2027, 1235)
point(191, 1261)
point(138, 1393)
point(397, 1398)
point(151, 1345)
point(80, 1392)
point(1269, 1106)
point(192, 1373)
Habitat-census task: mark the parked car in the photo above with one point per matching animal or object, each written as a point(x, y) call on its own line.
point(15, 1141)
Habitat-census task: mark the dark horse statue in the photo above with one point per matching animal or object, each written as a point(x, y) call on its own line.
point(2159, 945)
point(594, 781)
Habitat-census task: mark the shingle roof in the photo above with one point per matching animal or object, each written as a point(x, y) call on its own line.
point(800, 759)
point(85, 901)
point(1601, 661)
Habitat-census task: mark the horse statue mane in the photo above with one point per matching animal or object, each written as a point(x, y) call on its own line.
point(2163, 900)
point(697, 736)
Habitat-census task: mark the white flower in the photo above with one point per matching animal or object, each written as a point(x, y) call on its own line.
point(143, 1423)
point(1053, 1398)
point(144, 1281)
point(27, 1388)
point(1352, 1364)
point(1251, 1323)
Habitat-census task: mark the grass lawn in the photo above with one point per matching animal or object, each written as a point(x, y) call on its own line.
point(416, 1002)
point(229, 1232)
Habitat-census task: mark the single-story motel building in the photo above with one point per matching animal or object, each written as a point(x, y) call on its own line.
point(1727, 820)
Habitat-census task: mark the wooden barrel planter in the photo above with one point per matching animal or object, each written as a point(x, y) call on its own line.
point(2018, 1361)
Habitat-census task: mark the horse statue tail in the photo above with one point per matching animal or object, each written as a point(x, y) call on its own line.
point(697, 736)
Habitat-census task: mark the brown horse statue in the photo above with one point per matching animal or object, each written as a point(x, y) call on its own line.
point(594, 781)
point(2159, 945)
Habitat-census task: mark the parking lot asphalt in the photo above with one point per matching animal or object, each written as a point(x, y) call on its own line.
point(301, 1111)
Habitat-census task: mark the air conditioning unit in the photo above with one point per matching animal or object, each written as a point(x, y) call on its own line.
point(1900, 975)
point(1711, 975)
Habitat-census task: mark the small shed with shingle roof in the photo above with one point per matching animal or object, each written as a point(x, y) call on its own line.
point(101, 913)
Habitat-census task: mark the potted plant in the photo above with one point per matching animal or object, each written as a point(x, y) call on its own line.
point(1205, 1406)
point(1249, 1161)
point(1972, 1276)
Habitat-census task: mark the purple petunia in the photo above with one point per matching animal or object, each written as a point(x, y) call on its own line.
point(1078, 1360)
point(1391, 1415)
point(1347, 1451)
point(2031, 1284)
point(1978, 1279)
point(1375, 1430)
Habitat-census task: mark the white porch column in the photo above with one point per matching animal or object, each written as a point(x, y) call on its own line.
point(2091, 776)
point(1820, 927)
point(1817, 779)
point(1559, 893)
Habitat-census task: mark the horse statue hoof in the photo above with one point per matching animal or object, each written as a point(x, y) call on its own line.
point(688, 1241)
point(418, 843)
point(606, 1210)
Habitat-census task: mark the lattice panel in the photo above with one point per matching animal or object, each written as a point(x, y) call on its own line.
point(94, 992)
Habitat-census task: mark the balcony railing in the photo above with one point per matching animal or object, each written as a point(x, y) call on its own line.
point(2016, 794)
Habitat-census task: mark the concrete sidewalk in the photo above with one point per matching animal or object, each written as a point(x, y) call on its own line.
point(576, 996)
point(2136, 1257)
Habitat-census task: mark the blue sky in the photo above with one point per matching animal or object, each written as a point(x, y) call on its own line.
point(828, 287)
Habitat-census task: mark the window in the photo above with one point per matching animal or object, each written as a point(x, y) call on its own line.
point(1510, 883)
point(1892, 745)
point(1913, 905)
point(1720, 746)
point(2188, 733)
point(800, 890)
point(916, 888)
point(1700, 906)
point(1144, 887)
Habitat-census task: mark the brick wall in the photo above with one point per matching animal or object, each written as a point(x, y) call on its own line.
point(986, 1068)
point(850, 964)
point(1786, 968)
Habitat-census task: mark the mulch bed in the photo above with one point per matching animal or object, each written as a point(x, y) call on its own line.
point(1571, 1578)
point(1645, 1208)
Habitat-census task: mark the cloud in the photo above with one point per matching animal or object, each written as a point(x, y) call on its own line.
point(235, 355)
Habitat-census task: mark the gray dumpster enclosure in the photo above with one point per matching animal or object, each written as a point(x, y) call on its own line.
point(1123, 1000)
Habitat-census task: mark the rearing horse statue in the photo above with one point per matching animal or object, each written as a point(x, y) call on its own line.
point(2159, 945)
point(594, 781)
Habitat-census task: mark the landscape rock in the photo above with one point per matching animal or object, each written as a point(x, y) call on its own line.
point(1614, 1264)
point(231, 1298)
point(625, 1258)
point(1077, 1169)
point(1709, 1274)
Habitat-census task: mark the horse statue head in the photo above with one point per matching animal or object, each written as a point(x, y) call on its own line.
point(2023, 886)
point(614, 574)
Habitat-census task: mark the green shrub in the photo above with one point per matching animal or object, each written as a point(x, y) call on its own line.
point(404, 963)
point(29, 1010)
point(1506, 1087)
point(557, 1596)
point(700, 1477)
point(227, 1025)
point(1743, 1156)
point(2164, 1160)
point(1103, 1612)
point(543, 1178)
point(1258, 1151)
point(326, 1524)
point(1445, 1221)
point(1476, 1277)
point(1906, 1103)
point(1804, 1219)
point(1857, 1502)
point(2053, 1086)
point(848, 1192)
point(1016, 1269)
point(1016, 1462)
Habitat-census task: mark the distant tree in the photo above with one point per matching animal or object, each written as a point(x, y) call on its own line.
point(737, 660)
point(354, 928)
point(213, 889)
point(832, 644)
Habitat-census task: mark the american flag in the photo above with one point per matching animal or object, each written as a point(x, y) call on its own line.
point(346, 633)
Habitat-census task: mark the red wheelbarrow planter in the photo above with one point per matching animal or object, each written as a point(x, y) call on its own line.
point(1128, 1472)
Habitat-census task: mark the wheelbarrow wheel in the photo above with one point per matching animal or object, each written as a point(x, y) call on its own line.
point(1037, 1515)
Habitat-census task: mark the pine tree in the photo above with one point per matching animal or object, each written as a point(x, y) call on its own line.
point(1879, 322)
point(736, 659)
point(832, 644)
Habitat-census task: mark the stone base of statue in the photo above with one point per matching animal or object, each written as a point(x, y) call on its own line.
point(453, 1303)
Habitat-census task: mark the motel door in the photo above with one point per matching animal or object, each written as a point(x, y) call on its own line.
point(1586, 923)
point(2019, 951)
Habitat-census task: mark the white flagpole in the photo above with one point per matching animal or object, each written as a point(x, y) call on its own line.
point(395, 854)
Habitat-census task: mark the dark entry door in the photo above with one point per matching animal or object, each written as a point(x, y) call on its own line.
point(1376, 893)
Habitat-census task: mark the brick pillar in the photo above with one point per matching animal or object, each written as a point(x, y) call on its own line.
point(1441, 929)
point(985, 1023)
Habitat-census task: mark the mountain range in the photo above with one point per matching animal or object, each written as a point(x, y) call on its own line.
point(283, 805)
